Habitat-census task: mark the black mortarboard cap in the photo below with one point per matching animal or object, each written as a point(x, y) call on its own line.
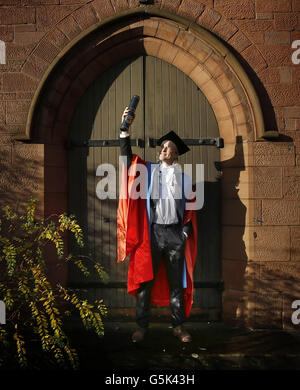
point(172, 136)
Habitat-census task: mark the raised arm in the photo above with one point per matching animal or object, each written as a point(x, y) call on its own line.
point(125, 145)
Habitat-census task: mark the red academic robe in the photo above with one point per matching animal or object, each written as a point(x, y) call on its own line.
point(134, 241)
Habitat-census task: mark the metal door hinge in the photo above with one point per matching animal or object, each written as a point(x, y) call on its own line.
point(97, 143)
point(151, 142)
point(218, 142)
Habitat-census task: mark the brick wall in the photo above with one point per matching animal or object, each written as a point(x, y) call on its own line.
point(262, 272)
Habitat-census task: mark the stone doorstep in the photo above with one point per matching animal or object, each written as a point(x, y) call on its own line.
point(214, 346)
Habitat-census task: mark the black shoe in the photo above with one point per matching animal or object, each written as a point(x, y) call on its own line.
point(182, 334)
point(138, 335)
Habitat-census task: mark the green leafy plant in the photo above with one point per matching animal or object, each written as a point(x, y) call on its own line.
point(35, 308)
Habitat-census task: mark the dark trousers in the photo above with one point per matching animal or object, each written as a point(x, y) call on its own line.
point(167, 242)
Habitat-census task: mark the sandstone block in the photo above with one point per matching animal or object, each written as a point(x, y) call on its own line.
point(239, 41)
point(56, 179)
point(184, 62)
point(291, 112)
point(200, 76)
point(233, 274)
point(236, 251)
point(254, 25)
point(167, 51)
point(16, 118)
point(264, 15)
point(267, 182)
point(69, 27)
point(190, 9)
point(283, 94)
point(5, 156)
point(273, 6)
point(199, 50)
point(150, 27)
point(295, 248)
point(171, 5)
point(256, 37)
point(288, 21)
point(285, 75)
point(279, 271)
point(103, 8)
point(239, 114)
point(268, 310)
point(17, 15)
point(211, 91)
point(226, 127)
point(58, 38)
point(224, 82)
point(225, 29)
point(209, 18)
point(277, 38)
point(236, 9)
point(280, 212)
point(167, 32)
point(276, 55)
point(184, 39)
point(290, 313)
point(241, 212)
point(13, 82)
point(221, 109)
point(7, 33)
point(291, 187)
point(296, 5)
point(273, 154)
point(49, 15)
point(214, 66)
point(27, 38)
point(254, 57)
point(120, 5)
point(233, 303)
point(151, 46)
point(35, 67)
point(269, 243)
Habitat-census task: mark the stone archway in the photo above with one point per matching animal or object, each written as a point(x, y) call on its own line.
point(194, 51)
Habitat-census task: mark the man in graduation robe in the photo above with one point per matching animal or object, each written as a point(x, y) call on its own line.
point(158, 232)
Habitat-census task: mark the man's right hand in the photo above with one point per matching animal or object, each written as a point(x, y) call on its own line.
point(125, 113)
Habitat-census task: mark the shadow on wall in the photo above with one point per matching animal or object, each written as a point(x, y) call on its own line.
point(234, 256)
point(258, 293)
point(21, 175)
point(22, 178)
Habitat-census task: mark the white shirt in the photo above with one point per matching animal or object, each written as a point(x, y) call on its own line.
point(165, 211)
point(168, 187)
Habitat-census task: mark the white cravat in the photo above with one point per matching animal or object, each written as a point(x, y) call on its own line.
point(165, 212)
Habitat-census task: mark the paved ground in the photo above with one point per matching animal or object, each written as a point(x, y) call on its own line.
point(215, 346)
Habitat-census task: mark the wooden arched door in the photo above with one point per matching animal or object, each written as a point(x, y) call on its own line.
point(170, 100)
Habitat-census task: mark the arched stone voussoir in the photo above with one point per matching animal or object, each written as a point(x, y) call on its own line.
point(194, 51)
